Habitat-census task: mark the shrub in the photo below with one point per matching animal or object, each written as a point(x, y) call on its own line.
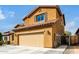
point(0, 36)
point(1, 41)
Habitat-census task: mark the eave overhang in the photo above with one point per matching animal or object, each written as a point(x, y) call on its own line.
point(50, 23)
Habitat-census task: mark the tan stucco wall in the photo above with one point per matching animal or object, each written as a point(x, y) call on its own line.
point(11, 42)
point(51, 14)
point(49, 34)
point(15, 41)
point(47, 37)
point(58, 30)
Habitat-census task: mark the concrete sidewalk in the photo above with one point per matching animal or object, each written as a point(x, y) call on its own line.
point(9, 49)
point(72, 50)
point(60, 50)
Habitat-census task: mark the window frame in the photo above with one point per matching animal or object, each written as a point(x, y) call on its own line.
point(44, 14)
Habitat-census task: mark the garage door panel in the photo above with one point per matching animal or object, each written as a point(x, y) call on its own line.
point(36, 40)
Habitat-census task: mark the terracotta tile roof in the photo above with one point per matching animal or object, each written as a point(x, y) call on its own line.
point(7, 33)
point(43, 6)
point(36, 25)
point(77, 32)
point(21, 25)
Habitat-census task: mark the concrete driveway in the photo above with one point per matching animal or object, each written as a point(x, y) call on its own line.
point(72, 50)
point(10, 49)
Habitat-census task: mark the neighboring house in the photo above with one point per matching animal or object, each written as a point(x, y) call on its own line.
point(75, 38)
point(8, 37)
point(77, 32)
point(41, 28)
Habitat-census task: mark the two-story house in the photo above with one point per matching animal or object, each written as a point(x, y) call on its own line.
point(40, 28)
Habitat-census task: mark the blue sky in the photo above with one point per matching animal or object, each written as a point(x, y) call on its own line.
point(10, 15)
point(71, 17)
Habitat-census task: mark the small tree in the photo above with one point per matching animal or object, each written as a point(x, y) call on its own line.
point(68, 33)
point(1, 41)
point(0, 36)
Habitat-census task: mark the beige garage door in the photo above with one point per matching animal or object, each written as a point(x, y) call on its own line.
point(34, 40)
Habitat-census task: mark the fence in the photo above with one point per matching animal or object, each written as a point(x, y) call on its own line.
point(68, 40)
point(74, 40)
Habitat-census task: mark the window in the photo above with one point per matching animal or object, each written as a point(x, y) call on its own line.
point(40, 17)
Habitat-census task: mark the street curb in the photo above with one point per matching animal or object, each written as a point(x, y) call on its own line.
point(65, 50)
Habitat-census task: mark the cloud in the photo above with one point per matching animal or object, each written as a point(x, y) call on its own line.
point(9, 27)
point(69, 25)
point(2, 16)
point(6, 14)
point(11, 14)
point(72, 25)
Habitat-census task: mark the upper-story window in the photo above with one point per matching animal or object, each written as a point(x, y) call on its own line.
point(40, 17)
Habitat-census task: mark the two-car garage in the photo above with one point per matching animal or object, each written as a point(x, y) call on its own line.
point(32, 39)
